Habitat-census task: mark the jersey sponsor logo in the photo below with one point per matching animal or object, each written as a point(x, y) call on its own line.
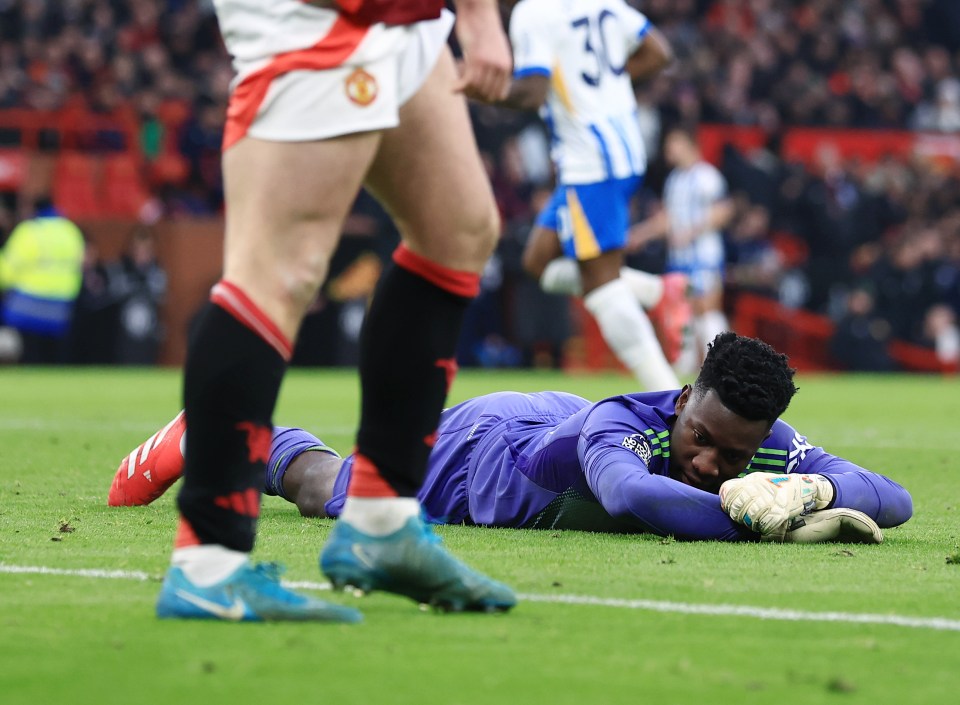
point(799, 452)
point(639, 444)
point(361, 88)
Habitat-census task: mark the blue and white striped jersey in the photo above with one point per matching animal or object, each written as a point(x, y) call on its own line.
point(591, 111)
point(688, 195)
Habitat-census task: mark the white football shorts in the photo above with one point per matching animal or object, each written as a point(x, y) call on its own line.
point(306, 73)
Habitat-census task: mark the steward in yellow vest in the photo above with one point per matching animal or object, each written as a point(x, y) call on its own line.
point(41, 268)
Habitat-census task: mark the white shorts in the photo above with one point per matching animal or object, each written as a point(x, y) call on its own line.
point(306, 73)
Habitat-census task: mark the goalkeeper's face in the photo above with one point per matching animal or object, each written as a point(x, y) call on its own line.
point(710, 444)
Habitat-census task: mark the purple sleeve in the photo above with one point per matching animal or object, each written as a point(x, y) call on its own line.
point(619, 477)
point(662, 505)
point(877, 496)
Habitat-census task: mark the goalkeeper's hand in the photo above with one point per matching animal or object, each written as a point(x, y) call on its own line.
point(766, 502)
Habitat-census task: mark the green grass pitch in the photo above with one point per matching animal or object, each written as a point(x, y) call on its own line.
point(646, 620)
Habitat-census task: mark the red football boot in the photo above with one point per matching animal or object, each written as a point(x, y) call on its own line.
point(672, 315)
point(151, 468)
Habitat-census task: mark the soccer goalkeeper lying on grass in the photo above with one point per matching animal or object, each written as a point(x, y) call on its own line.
point(663, 462)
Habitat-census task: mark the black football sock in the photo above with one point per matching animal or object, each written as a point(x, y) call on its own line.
point(235, 365)
point(407, 364)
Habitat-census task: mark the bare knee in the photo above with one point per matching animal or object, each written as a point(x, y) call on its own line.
point(477, 235)
point(301, 279)
point(462, 241)
point(282, 271)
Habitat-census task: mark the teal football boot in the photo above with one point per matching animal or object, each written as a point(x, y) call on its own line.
point(410, 562)
point(250, 594)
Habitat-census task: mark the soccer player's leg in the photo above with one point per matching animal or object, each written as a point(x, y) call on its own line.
point(672, 314)
point(709, 319)
point(151, 468)
point(703, 262)
point(543, 256)
point(665, 297)
point(594, 231)
point(429, 176)
point(283, 221)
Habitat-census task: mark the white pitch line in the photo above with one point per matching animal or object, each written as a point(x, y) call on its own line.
point(75, 572)
point(721, 610)
point(937, 623)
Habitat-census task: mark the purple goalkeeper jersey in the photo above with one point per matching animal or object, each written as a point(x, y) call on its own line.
point(556, 460)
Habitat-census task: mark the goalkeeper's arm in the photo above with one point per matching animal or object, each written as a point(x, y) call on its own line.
point(877, 496)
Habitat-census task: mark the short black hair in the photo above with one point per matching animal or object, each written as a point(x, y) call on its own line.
point(751, 378)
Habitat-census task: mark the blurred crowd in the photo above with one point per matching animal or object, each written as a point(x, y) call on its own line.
point(849, 63)
point(876, 246)
point(159, 64)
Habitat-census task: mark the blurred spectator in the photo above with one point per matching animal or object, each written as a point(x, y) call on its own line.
point(942, 114)
point(832, 223)
point(139, 286)
point(753, 263)
point(200, 144)
point(40, 271)
point(696, 208)
point(940, 330)
point(860, 340)
point(95, 323)
point(904, 285)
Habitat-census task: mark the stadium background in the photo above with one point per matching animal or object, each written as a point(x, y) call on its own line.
point(118, 105)
point(836, 124)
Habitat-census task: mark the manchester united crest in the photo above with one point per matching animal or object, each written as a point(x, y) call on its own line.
point(361, 87)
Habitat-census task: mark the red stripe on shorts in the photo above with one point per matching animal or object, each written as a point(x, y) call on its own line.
point(341, 41)
point(455, 281)
point(231, 299)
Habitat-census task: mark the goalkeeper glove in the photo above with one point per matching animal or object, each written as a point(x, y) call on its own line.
point(838, 525)
point(766, 502)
